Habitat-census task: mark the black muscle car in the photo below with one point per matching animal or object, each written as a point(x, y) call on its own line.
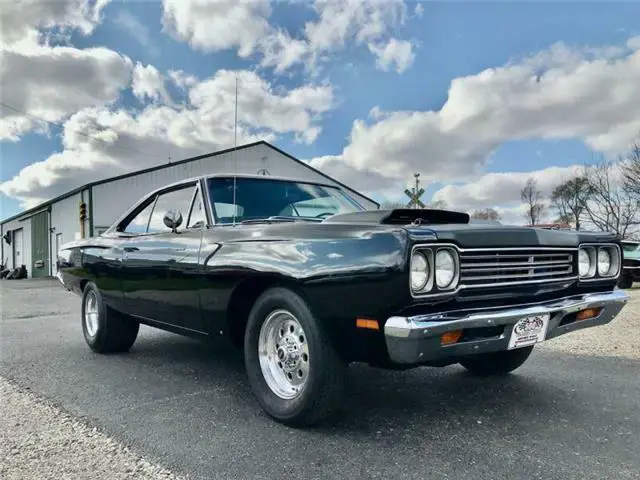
point(630, 264)
point(305, 281)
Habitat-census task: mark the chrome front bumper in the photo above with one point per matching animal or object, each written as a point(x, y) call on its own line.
point(416, 339)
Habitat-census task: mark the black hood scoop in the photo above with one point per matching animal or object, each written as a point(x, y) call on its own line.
point(402, 216)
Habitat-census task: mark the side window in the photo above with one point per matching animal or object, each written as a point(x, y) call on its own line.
point(173, 200)
point(139, 223)
point(197, 216)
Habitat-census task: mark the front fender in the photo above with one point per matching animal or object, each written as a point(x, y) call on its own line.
point(341, 276)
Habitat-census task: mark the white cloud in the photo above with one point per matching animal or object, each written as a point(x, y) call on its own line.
point(560, 93)
point(102, 142)
point(40, 81)
point(634, 43)
point(182, 79)
point(139, 31)
point(419, 10)
point(20, 18)
point(395, 51)
point(220, 25)
point(213, 25)
point(361, 180)
point(148, 83)
point(503, 188)
point(282, 52)
point(53, 82)
point(363, 20)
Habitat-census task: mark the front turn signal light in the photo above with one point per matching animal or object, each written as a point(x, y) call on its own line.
point(368, 324)
point(449, 338)
point(588, 313)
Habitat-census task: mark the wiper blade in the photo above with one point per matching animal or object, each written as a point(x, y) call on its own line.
point(280, 219)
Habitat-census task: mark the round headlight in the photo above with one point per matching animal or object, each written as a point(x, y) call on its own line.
point(445, 268)
point(419, 272)
point(604, 261)
point(584, 263)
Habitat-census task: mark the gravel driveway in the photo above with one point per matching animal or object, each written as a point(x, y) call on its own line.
point(577, 394)
point(40, 441)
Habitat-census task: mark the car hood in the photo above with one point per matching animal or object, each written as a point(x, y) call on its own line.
point(484, 236)
point(455, 227)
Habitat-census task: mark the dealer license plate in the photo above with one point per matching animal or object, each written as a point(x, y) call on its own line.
point(529, 330)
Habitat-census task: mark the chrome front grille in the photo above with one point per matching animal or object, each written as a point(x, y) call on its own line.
point(493, 267)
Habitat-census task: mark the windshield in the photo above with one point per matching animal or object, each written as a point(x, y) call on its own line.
point(258, 198)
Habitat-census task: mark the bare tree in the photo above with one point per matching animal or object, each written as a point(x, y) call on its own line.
point(564, 219)
point(631, 170)
point(532, 196)
point(486, 214)
point(570, 199)
point(613, 206)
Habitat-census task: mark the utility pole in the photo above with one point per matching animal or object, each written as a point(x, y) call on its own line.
point(415, 193)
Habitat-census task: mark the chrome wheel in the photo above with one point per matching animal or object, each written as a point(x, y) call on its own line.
point(284, 354)
point(91, 313)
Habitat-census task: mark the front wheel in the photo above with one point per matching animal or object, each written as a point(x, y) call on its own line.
point(626, 281)
point(496, 363)
point(293, 369)
point(104, 329)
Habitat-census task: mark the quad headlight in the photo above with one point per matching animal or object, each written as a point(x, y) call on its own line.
point(608, 261)
point(586, 262)
point(604, 261)
point(420, 272)
point(446, 269)
point(433, 270)
point(598, 262)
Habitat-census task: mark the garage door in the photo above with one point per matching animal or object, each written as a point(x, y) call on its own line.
point(40, 245)
point(17, 248)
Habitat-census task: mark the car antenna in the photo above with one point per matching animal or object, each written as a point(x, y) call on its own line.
point(233, 154)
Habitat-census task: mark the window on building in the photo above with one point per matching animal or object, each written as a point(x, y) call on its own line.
point(197, 216)
point(173, 200)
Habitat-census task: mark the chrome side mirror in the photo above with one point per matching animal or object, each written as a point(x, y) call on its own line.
point(173, 219)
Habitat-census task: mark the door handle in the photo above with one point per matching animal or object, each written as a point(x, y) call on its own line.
point(131, 249)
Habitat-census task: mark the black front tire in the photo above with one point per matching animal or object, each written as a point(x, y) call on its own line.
point(625, 281)
point(323, 391)
point(114, 332)
point(496, 363)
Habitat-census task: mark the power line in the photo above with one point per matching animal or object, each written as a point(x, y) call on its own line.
point(77, 132)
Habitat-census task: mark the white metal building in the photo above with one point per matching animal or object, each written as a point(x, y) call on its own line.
point(31, 238)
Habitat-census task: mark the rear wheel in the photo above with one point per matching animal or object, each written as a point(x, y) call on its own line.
point(104, 329)
point(294, 371)
point(496, 363)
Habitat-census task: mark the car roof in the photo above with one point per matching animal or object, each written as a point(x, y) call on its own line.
point(199, 178)
point(240, 175)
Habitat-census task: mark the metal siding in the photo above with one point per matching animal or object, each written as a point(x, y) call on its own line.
point(26, 243)
point(64, 220)
point(111, 199)
point(40, 244)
